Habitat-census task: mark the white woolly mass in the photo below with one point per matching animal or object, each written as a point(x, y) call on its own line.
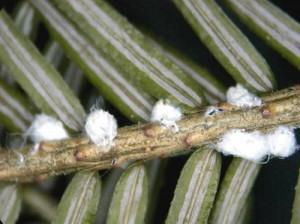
point(101, 127)
point(251, 146)
point(255, 145)
point(240, 96)
point(166, 114)
point(46, 128)
point(282, 142)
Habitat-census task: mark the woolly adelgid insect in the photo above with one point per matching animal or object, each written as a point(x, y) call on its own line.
point(101, 128)
point(45, 128)
point(240, 96)
point(166, 114)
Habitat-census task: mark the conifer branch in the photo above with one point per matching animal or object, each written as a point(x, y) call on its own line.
point(148, 141)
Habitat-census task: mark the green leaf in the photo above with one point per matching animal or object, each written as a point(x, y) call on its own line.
point(156, 179)
point(227, 43)
point(245, 216)
point(10, 203)
point(154, 171)
point(74, 77)
point(25, 19)
point(133, 102)
point(38, 78)
point(80, 200)
point(40, 203)
point(196, 188)
point(234, 191)
point(15, 112)
point(130, 199)
point(144, 64)
point(214, 91)
point(107, 193)
point(54, 54)
point(273, 25)
point(296, 204)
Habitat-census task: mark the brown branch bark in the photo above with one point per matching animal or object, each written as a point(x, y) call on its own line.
point(148, 141)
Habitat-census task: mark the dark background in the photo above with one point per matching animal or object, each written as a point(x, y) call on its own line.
point(274, 188)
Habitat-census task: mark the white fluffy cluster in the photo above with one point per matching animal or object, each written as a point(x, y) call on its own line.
point(46, 128)
point(240, 96)
point(282, 142)
point(255, 146)
point(166, 114)
point(101, 127)
point(251, 146)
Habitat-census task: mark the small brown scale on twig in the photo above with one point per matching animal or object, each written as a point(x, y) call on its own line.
point(266, 111)
point(188, 140)
point(149, 130)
